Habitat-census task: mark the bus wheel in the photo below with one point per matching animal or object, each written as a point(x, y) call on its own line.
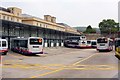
point(5, 53)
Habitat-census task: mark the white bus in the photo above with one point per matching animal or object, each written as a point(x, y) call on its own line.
point(93, 43)
point(31, 45)
point(83, 43)
point(82, 37)
point(104, 44)
point(3, 46)
point(88, 43)
point(74, 41)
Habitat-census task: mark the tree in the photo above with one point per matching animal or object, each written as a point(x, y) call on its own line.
point(89, 29)
point(108, 26)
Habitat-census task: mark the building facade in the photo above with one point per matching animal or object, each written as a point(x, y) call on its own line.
point(16, 24)
point(11, 14)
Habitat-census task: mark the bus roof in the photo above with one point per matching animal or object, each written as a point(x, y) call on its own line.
point(117, 38)
point(25, 38)
point(105, 38)
point(74, 36)
point(3, 40)
point(93, 40)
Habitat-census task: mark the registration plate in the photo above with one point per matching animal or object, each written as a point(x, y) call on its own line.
point(35, 46)
point(102, 44)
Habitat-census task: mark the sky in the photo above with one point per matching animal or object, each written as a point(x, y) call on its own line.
point(72, 12)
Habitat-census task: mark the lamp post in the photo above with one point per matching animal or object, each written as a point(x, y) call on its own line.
point(109, 31)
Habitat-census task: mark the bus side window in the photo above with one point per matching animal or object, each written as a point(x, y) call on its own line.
point(15, 43)
point(23, 43)
point(116, 44)
point(4, 44)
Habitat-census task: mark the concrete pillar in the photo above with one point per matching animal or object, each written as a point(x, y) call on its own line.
point(52, 44)
point(46, 44)
point(57, 44)
point(62, 44)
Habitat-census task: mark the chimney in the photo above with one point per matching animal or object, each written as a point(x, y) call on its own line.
point(53, 19)
point(16, 11)
point(47, 18)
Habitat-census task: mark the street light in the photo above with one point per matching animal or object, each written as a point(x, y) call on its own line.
point(109, 31)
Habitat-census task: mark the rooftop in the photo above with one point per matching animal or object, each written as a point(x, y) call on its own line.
point(4, 9)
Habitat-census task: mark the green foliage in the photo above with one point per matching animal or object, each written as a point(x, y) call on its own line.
point(108, 26)
point(89, 29)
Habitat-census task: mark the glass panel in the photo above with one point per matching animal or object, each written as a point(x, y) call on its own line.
point(36, 41)
point(101, 41)
point(4, 44)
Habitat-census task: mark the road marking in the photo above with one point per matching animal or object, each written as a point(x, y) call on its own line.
point(59, 67)
point(47, 73)
point(63, 68)
point(84, 59)
point(18, 56)
point(79, 67)
point(11, 61)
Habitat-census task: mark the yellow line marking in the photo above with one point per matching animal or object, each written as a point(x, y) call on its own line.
point(6, 61)
point(47, 73)
point(55, 65)
point(61, 68)
point(84, 59)
point(18, 56)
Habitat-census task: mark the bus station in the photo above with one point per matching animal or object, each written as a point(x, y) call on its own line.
point(52, 37)
point(43, 49)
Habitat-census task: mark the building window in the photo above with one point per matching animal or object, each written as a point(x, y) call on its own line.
point(37, 24)
point(7, 17)
point(3, 17)
point(40, 25)
point(11, 18)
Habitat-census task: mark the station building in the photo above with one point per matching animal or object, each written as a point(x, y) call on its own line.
point(15, 24)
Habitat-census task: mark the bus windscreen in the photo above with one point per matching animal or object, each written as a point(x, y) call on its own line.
point(35, 41)
point(4, 44)
point(93, 43)
point(101, 41)
point(117, 43)
point(73, 38)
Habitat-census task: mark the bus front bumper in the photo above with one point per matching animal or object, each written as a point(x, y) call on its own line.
point(35, 52)
point(3, 51)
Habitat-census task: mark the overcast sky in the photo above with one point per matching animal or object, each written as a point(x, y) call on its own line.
point(72, 12)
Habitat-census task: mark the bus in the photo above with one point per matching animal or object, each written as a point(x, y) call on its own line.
point(104, 44)
point(93, 43)
point(83, 43)
point(3, 46)
point(72, 41)
point(89, 44)
point(75, 41)
point(31, 45)
point(117, 47)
